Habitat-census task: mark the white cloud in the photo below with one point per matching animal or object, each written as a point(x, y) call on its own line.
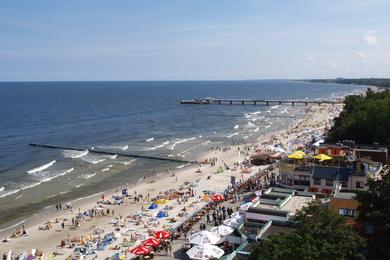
point(363, 55)
point(310, 58)
point(370, 38)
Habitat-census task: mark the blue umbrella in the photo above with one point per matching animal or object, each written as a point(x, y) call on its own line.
point(162, 214)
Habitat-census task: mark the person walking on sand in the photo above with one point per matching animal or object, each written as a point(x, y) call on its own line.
point(170, 249)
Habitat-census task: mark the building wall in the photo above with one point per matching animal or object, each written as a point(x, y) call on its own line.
point(342, 203)
point(264, 217)
point(352, 182)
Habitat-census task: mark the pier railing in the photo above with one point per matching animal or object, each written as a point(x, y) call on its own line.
point(267, 102)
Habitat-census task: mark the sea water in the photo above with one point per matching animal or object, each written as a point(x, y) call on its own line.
point(135, 117)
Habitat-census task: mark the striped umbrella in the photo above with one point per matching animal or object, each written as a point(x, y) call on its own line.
point(141, 250)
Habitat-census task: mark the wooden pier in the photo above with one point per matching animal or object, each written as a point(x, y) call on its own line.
point(218, 101)
point(100, 151)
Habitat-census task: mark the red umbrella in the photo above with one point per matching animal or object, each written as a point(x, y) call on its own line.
point(217, 197)
point(141, 250)
point(151, 242)
point(162, 234)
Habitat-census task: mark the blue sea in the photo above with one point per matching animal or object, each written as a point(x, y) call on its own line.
point(133, 117)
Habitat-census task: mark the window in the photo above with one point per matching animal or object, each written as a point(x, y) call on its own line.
point(317, 181)
point(329, 182)
point(359, 185)
point(302, 180)
point(347, 212)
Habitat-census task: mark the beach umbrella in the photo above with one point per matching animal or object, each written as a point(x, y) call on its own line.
point(295, 156)
point(153, 206)
point(151, 241)
point(322, 157)
point(162, 234)
point(233, 222)
point(245, 206)
point(162, 201)
point(204, 237)
point(205, 198)
point(300, 152)
point(203, 252)
point(237, 216)
point(141, 250)
point(222, 230)
point(217, 197)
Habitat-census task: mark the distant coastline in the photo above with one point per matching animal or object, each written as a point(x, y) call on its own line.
point(377, 82)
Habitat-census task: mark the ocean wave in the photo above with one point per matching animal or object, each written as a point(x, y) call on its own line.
point(57, 175)
point(74, 154)
point(257, 129)
point(182, 141)
point(255, 113)
point(124, 148)
point(251, 124)
point(87, 176)
point(274, 107)
point(182, 166)
point(149, 139)
point(105, 169)
point(268, 126)
point(93, 159)
point(236, 126)
point(158, 146)
point(2, 188)
point(41, 168)
point(234, 134)
point(284, 111)
point(111, 156)
point(128, 162)
point(80, 185)
point(15, 225)
point(257, 118)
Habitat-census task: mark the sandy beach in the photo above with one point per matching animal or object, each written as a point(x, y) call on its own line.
point(198, 177)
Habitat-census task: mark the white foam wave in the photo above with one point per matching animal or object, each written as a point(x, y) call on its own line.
point(268, 126)
point(57, 175)
point(274, 107)
point(93, 159)
point(182, 166)
point(87, 176)
point(105, 169)
point(257, 129)
point(87, 197)
point(236, 126)
point(257, 118)
point(19, 196)
point(2, 188)
point(234, 134)
point(255, 113)
point(124, 148)
point(182, 141)
point(15, 225)
point(43, 167)
point(128, 162)
point(74, 154)
point(284, 111)
point(111, 156)
point(251, 124)
point(80, 185)
point(158, 146)
point(246, 137)
point(149, 139)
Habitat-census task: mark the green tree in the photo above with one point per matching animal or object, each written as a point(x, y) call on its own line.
point(321, 234)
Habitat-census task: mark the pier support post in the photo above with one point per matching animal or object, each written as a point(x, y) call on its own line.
point(267, 103)
point(305, 103)
point(292, 103)
point(219, 102)
point(280, 102)
point(254, 103)
point(231, 102)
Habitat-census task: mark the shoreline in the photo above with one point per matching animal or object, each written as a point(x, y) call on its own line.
point(162, 181)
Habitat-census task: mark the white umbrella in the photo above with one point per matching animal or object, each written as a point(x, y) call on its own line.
point(233, 222)
point(222, 230)
point(204, 237)
point(245, 207)
point(205, 252)
point(237, 216)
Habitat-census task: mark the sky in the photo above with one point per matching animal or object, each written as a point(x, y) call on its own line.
point(193, 39)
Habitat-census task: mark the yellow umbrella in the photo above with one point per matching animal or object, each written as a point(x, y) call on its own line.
point(322, 157)
point(294, 156)
point(299, 152)
point(162, 201)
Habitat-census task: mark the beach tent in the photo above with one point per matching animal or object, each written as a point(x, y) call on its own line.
point(151, 242)
point(204, 252)
point(217, 197)
point(162, 234)
point(204, 237)
point(162, 214)
point(141, 250)
point(322, 157)
point(205, 198)
point(222, 230)
point(153, 206)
